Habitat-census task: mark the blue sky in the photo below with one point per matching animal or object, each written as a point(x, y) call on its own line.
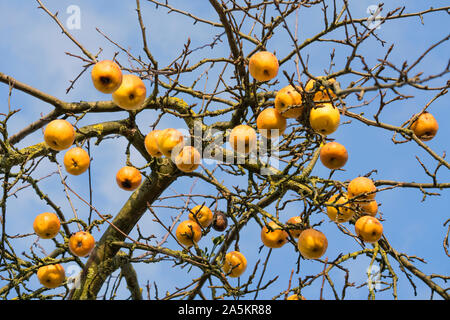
point(34, 53)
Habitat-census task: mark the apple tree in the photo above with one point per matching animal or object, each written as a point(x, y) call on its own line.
point(349, 83)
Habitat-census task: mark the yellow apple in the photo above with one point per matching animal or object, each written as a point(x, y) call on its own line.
point(59, 134)
point(322, 93)
point(168, 140)
point(312, 244)
point(286, 99)
point(361, 187)
point(46, 225)
point(128, 178)
point(369, 207)
point(270, 123)
point(263, 66)
point(76, 161)
point(188, 159)
point(333, 155)
point(131, 93)
point(106, 76)
point(202, 215)
point(339, 210)
point(296, 223)
point(151, 144)
point(243, 139)
point(188, 232)
point(369, 229)
point(275, 238)
point(51, 276)
point(425, 127)
point(324, 118)
point(235, 264)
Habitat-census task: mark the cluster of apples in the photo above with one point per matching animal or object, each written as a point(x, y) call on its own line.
point(170, 142)
point(324, 119)
point(189, 232)
point(167, 142)
point(129, 93)
point(47, 225)
point(128, 90)
point(271, 123)
point(59, 135)
point(360, 197)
